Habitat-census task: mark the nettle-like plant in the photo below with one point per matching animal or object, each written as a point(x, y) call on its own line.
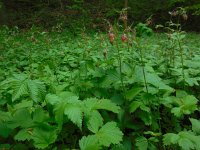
point(123, 90)
point(31, 121)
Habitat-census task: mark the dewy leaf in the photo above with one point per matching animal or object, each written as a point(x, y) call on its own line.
point(89, 143)
point(195, 125)
point(23, 135)
point(95, 121)
point(141, 143)
point(109, 134)
point(74, 113)
point(43, 138)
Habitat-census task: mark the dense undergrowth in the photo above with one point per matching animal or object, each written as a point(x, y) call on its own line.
point(89, 92)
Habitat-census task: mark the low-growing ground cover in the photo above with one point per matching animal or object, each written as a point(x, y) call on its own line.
point(120, 91)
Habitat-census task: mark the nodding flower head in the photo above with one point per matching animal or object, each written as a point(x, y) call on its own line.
point(173, 13)
point(124, 38)
point(111, 37)
point(149, 22)
point(185, 17)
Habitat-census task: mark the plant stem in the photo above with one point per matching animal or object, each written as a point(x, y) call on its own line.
point(142, 62)
point(182, 61)
point(120, 66)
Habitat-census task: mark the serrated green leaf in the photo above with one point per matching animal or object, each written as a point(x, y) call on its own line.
point(4, 130)
point(134, 106)
point(141, 143)
point(89, 104)
point(133, 92)
point(74, 113)
point(23, 135)
point(170, 138)
point(43, 138)
point(195, 125)
point(21, 118)
point(40, 115)
point(111, 78)
point(89, 143)
point(20, 88)
point(109, 134)
point(36, 90)
point(106, 105)
point(145, 108)
point(145, 117)
point(59, 112)
point(195, 140)
point(66, 95)
point(185, 144)
point(95, 121)
point(24, 104)
point(53, 99)
point(177, 111)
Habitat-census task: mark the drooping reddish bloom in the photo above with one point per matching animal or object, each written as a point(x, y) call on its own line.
point(111, 37)
point(124, 38)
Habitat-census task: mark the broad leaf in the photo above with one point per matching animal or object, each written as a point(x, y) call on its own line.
point(195, 125)
point(43, 138)
point(141, 143)
point(23, 135)
point(89, 143)
point(134, 106)
point(93, 103)
point(133, 92)
point(74, 113)
point(109, 134)
point(170, 138)
point(95, 121)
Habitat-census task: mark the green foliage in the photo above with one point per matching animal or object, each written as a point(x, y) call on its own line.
point(142, 30)
point(20, 86)
point(186, 140)
point(108, 134)
point(182, 103)
point(58, 91)
point(195, 126)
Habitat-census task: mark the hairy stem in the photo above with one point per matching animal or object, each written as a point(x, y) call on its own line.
point(182, 61)
point(142, 63)
point(120, 66)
